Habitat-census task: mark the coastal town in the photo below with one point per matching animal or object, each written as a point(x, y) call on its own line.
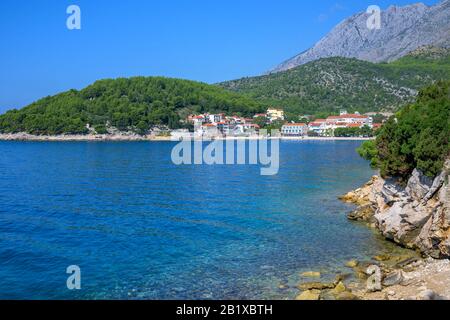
point(343, 125)
point(272, 124)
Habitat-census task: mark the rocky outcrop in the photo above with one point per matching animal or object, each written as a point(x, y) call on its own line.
point(416, 216)
point(403, 29)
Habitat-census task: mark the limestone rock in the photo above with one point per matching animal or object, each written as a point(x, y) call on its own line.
point(416, 217)
point(309, 295)
point(315, 286)
point(340, 288)
point(393, 278)
point(363, 213)
point(418, 185)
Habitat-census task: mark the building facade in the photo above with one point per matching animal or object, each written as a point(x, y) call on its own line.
point(294, 130)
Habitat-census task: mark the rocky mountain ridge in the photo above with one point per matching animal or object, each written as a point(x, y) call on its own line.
point(403, 29)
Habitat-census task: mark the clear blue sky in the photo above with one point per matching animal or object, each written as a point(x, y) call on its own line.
point(204, 40)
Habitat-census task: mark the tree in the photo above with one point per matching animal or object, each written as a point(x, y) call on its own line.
point(418, 136)
point(260, 121)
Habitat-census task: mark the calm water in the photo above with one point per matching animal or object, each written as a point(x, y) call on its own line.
point(142, 228)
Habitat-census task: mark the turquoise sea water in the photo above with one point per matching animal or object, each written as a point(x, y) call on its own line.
point(140, 227)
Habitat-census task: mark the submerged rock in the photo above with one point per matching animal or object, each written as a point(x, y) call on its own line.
point(309, 295)
point(352, 264)
point(383, 257)
point(315, 286)
point(311, 274)
point(341, 278)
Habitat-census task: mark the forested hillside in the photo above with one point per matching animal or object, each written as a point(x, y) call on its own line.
point(341, 83)
point(127, 104)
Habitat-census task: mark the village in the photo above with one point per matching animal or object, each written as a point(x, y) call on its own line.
point(343, 125)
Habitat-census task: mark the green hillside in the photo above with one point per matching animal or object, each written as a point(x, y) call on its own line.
point(340, 83)
point(128, 104)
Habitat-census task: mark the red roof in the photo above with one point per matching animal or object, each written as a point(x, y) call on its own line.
point(353, 125)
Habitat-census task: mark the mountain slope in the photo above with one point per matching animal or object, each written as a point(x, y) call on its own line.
point(334, 83)
point(403, 29)
point(134, 104)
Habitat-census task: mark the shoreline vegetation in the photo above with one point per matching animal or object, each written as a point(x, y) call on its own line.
point(151, 138)
point(409, 202)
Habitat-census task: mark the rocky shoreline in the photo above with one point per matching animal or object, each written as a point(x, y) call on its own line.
point(403, 277)
point(415, 216)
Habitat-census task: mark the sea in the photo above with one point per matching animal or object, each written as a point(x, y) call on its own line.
point(137, 226)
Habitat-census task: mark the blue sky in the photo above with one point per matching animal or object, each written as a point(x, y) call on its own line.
point(204, 40)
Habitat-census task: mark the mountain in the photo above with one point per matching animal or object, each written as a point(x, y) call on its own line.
point(403, 29)
point(331, 84)
point(134, 104)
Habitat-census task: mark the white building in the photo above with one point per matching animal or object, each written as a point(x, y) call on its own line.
point(215, 118)
point(318, 127)
point(351, 119)
point(294, 129)
point(275, 115)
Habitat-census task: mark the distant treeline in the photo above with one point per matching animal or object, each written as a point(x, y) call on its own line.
point(417, 137)
point(127, 104)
